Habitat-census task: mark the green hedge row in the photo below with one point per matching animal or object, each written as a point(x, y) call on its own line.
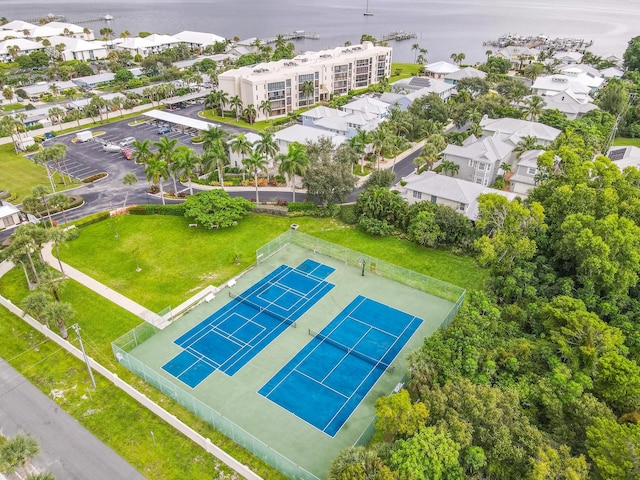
point(91, 219)
point(173, 210)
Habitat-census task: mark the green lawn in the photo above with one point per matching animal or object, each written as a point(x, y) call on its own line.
point(109, 413)
point(408, 70)
point(635, 142)
point(20, 175)
point(230, 119)
point(12, 106)
point(177, 261)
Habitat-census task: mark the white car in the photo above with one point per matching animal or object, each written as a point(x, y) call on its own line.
point(127, 141)
point(111, 148)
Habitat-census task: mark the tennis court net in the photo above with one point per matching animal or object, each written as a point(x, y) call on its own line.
point(261, 310)
point(349, 350)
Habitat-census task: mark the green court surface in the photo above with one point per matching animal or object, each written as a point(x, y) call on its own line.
point(232, 403)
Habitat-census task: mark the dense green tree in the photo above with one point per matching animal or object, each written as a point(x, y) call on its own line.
point(613, 449)
point(397, 416)
point(326, 179)
point(429, 454)
point(430, 107)
point(216, 209)
point(357, 463)
point(632, 54)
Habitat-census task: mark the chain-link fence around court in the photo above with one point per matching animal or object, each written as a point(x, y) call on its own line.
point(138, 335)
point(372, 265)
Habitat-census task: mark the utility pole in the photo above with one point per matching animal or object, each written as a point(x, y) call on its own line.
point(84, 354)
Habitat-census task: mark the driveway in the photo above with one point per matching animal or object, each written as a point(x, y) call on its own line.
point(67, 449)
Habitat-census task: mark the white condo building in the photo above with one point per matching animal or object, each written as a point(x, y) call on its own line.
point(284, 83)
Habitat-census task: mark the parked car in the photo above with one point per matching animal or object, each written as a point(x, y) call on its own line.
point(164, 130)
point(127, 141)
point(127, 153)
point(111, 147)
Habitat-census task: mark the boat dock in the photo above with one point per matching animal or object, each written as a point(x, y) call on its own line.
point(61, 18)
point(398, 36)
point(541, 42)
point(297, 35)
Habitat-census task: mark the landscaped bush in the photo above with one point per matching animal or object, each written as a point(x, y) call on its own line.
point(91, 219)
point(302, 207)
point(280, 211)
point(94, 178)
point(348, 214)
point(172, 210)
point(373, 226)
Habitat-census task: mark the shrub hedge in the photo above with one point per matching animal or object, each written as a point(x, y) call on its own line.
point(171, 210)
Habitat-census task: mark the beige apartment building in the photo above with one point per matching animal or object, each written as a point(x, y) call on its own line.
point(308, 78)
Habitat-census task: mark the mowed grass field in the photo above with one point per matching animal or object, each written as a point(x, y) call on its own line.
point(177, 261)
point(19, 174)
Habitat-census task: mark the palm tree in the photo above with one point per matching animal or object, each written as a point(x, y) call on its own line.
point(216, 156)
point(129, 180)
point(241, 145)
point(211, 136)
point(56, 114)
point(18, 450)
point(186, 163)
point(142, 151)
point(307, 90)
point(265, 107)
point(359, 143)
point(255, 163)
point(59, 201)
point(156, 171)
point(41, 192)
point(399, 145)
point(458, 58)
point(58, 237)
point(415, 47)
point(58, 313)
point(534, 107)
point(526, 143)
point(533, 71)
point(75, 115)
point(166, 151)
point(267, 146)
point(450, 167)
point(236, 104)
point(428, 156)
point(488, 53)
point(380, 138)
point(295, 162)
point(125, 34)
point(250, 112)
point(218, 99)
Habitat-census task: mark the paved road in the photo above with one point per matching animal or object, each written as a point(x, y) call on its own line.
point(68, 450)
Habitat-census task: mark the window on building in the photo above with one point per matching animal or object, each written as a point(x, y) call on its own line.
point(532, 171)
point(434, 199)
point(462, 207)
point(417, 194)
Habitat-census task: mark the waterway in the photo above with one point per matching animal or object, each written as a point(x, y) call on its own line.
point(442, 27)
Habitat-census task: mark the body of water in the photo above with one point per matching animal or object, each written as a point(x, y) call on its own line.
point(443, 27)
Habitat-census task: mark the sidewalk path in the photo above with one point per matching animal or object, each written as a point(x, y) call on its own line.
point(101, 289)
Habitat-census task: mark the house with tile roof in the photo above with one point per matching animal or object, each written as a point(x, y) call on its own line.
point(303, 135)
point(368, 105)
point(22, 46)
point(519, 56)
point(198, 40)
point(625, 156)
point(460, 195)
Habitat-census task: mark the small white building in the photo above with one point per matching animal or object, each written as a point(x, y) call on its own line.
point(440, 69)
point(198, 40)
point(10, 215)
point(78, 49)
point(303, 135)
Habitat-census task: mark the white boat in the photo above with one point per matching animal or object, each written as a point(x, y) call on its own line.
point(367, 12)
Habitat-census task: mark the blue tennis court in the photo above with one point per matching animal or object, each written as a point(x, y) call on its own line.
point(238, 331)
point(326, 381)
